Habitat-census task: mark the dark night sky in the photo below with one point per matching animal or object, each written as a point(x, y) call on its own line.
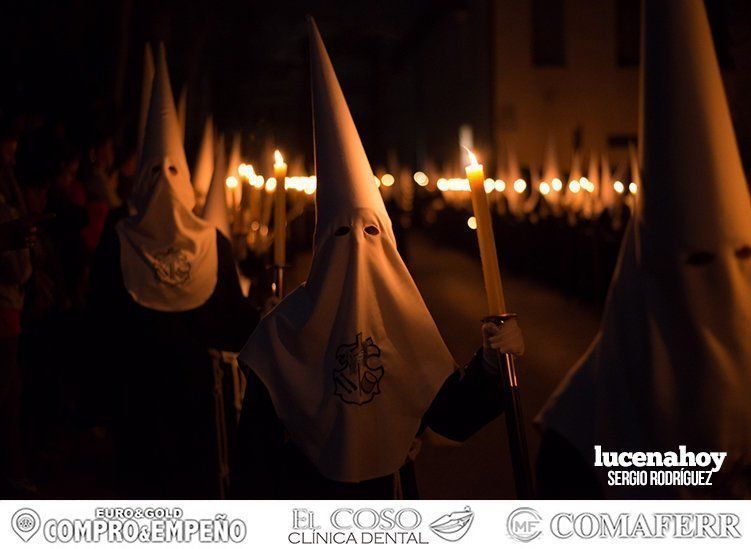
point(245, 61)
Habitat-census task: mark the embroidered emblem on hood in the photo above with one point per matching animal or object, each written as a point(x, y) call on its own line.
point(358, 376)
point(171, 266)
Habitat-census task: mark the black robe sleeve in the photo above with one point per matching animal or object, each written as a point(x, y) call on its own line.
point(237, 315)
point(260, 444)
point(469, 399)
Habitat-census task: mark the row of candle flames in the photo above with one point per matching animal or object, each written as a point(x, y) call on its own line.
point(253, 221)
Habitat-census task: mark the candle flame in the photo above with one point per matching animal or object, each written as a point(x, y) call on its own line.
point(278, 159)
point(231, 182)
point(472, 159)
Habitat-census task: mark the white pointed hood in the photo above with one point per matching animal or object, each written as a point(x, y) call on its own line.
point(352, 358)
point(592, 204)
point(340, 156)
point(146, 83)
point(215, 210)
point(204, 167)
point(168, 255)
point(607, 191)
point(551, 173)
point(672, 362)
point(513, 173)
point(182, 112)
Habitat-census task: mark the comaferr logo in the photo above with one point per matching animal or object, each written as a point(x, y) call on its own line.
point(643, 525)
point(524, 524)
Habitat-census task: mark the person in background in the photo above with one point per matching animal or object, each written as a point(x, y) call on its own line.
point(101, 189)
point(671, 364)
point(67, 200)
point(164, 291)
point(15, 270)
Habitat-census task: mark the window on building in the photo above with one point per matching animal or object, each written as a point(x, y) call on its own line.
point(548, 40)
point(627, 25)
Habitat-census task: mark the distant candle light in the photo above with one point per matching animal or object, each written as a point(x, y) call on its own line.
point(278, 158)
point(472, 223)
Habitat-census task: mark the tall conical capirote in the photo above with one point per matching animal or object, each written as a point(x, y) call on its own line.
point(693, 193)
point(147, 81)
point(345, 181)
point(162, 139)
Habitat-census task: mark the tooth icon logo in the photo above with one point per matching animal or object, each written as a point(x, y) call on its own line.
point(454, 526)
point(25, 523)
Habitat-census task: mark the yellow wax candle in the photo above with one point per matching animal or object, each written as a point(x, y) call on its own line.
point(485, 238)
point(280, 210)
point(256, 183)
point(232, 184)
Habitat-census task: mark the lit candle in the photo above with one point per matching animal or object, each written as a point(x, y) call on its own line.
point(232, 184)
point(485, 238)
point(255, 183)
point(280, 216)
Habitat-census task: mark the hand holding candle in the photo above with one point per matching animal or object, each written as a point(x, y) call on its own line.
point(485, 238)
point(497, 310)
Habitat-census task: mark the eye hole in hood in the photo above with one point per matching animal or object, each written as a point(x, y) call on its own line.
point(341, 231)
point(172, 170)
point(372, 230)
point(700, 258)
point(743, 252)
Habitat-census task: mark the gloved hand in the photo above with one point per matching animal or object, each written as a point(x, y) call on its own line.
point(506, 338)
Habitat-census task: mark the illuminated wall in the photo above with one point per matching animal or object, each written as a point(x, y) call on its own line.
point(567, 67)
